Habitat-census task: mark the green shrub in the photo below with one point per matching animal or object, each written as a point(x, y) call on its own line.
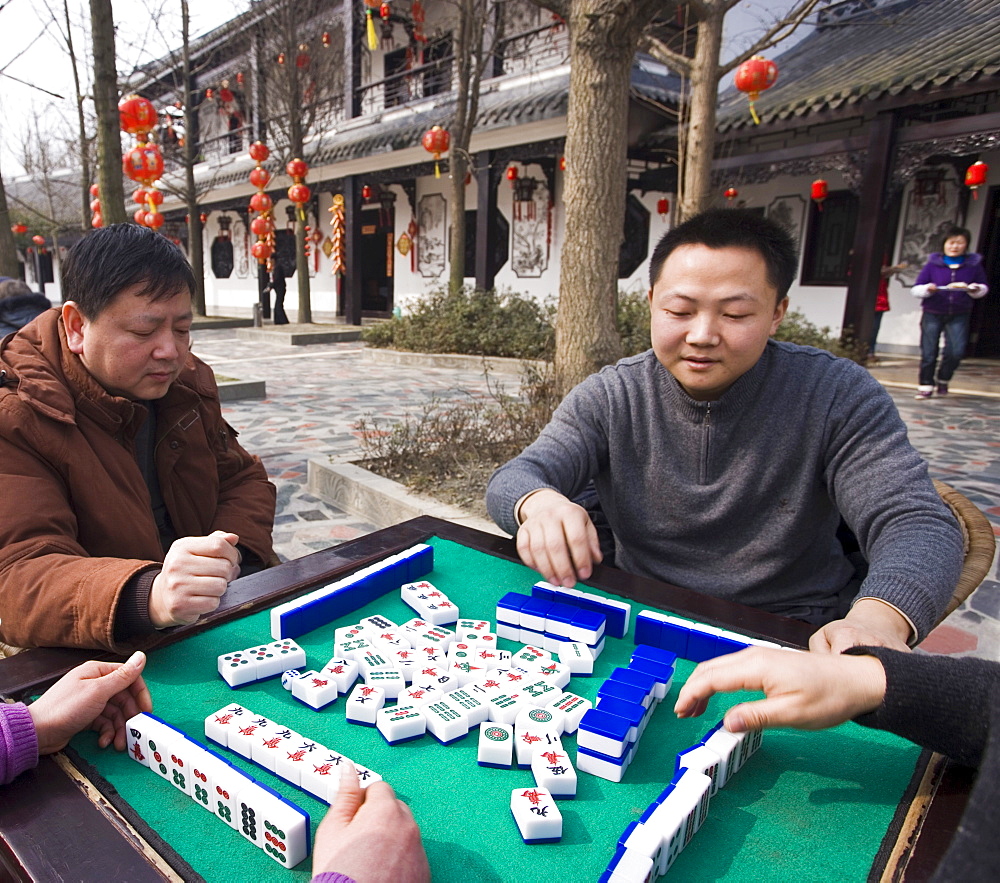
point(633, 322)
point(796, 328)
point(471, 322)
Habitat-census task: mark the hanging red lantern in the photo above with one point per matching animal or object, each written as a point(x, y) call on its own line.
point(662, 208)
point(819, 192)
point(302, 59)
point(384, 12)
point(95, 190)
point(753, 77)
point(240, 78)
point(154, 220)
point(326, 39)
point(262, 250)
point(203, 217)
point(209, 94)
point(975, 177)
point(261, 226)
point(97, 221)
point(299, 194)
point(226, 95)
point(154, 197)
point(436, 141)
point(562, 163)
point(281, 58)
point(261, 202)
point(38, 239)
point(140, 217)
point(512, 174)
point(19, 229)
point(731, 193)
point(366, 192)
point(95, 205)
point(297, 168)
point(136, 115)
point(139, 196)
point(143, 163)
point(259, 151)
point(260, 178)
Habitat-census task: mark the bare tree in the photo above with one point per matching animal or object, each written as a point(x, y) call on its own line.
point(478, 30)
point(109, 168)
point(603, 38)
point(190, 191)
point(703, 73)
point(9, 265)
point(304, 88)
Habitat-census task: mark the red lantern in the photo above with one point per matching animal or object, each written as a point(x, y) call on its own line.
point(975, 177)
point(140, 217)
point(662, 208)
point(95, 205)
point(139, 196)
point(260, 177)
point(326, 39)
point(154, 220)
point(154, 197)
point(297, 168)
point(259, 151)
point(209, 94)
point(95, 190)
point(366, 193)
point(819, 192)
point(143, 163)
point(512, 174)
point(19, 229)
point(753, 77)
point(97, 221)
point(299, 194)
point(384, 12)
point(436, 141)
point(281, 58)
point(261, 202)
point(239, 78)
point(261, 226)
point(136, 115)
point(562, 163)
point(731, 193)
point(203, 217)
point(38, 239)
point(226, 95)
point(262, 250)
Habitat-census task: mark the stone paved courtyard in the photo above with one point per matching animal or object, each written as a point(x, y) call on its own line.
point(317, 393)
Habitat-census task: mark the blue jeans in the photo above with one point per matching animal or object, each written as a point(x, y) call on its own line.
point(956, 337)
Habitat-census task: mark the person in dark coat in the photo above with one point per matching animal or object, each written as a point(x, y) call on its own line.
point(19, 305)
point(279, 288)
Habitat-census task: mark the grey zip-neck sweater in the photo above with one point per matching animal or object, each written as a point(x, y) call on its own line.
point(740, 498)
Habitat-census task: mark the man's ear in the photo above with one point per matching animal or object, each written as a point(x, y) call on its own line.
point(73, 322)
point(779, 314)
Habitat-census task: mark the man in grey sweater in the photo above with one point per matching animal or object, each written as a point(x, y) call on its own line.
point(724, 461)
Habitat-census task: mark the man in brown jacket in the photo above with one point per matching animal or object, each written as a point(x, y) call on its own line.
point(126, 503)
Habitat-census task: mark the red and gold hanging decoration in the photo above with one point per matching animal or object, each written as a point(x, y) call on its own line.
point(144, 162)
point(436, 141)
point(96, 220)
point(418, 16)
point(731, 193)
point(975, 177)
point(753, 77)
point(263, 225)
point(819, 192)
point(663, 208)
point(337, 233)
point(299, 193)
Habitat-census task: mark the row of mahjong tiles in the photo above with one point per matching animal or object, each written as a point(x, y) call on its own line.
point(464, 809)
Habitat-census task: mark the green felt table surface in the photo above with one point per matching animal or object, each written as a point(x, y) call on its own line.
point(807, 806)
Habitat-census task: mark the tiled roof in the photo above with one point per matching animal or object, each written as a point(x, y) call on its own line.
point(864, 50)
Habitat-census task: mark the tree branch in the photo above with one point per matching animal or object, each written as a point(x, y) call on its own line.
point(778, 31)
point(559, 7)
point(678, 63)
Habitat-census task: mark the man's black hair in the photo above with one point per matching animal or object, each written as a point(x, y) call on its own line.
point(734, 228)
point(106, 262)
point(957, 231)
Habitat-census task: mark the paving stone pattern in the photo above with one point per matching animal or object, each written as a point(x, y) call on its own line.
point(315, 394)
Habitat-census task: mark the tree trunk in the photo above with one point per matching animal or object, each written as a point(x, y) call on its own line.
point(603, 37)
point(458, 166)
point(196, 253)
point(109, 149)
point(81, 123)
point(699, 134)
point(9, 265)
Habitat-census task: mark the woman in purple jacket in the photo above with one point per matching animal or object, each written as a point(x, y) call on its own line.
point(948, 284)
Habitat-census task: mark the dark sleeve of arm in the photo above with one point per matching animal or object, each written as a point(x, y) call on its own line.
point(936, 701)
point(566, 455)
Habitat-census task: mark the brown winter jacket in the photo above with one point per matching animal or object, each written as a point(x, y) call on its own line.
point(76, 523)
